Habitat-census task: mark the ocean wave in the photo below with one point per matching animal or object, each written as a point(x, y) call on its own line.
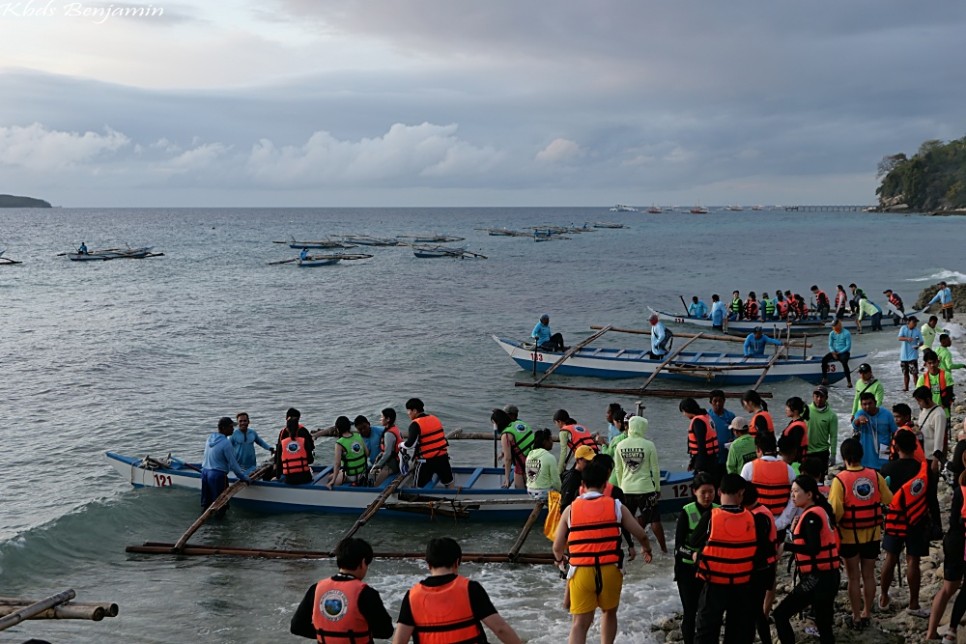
point(950, 277)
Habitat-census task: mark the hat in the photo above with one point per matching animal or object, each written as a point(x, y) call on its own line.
point(585, 452)
point(865, 368)
point(544, 317)
point(225, 421)
point(821, 390)
point(653, 318)
point(757, 329)
point(738, 422)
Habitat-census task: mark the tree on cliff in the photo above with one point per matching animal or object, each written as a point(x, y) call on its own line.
point(934, 178)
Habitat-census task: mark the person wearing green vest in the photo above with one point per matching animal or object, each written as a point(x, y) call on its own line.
point(351, 456)
point(823, 429)
point(639, 476)
point(541, 466)
point(939, 382)
point(946, 357)
point(689, 587)
point(866, 383)
point(736, 310)
point(742, 450)
point(517, 440)
point(768, 307)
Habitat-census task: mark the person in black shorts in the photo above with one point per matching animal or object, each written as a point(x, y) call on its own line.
point(954, 543)
point(427, 439)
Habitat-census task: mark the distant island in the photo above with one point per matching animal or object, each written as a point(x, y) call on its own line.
point(13, 201)
point(933, 180)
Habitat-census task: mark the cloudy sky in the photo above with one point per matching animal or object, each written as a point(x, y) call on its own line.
point(451, 102)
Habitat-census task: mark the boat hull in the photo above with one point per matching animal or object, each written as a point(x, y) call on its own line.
point(114, 253)
point(613, 363)
point(474, 485)
point(311, 263)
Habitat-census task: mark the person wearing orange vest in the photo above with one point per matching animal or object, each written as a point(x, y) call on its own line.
point(763, 576)
point(294, 451)
point(773, 478)
point(702, 438)
point(572, 436)
point(731, 543)
point(822, 304)
point(761, 420)
point(589, 532)
point(933, 424)
point(938, 381)
point(816, 549)
point(906, 521)
point(343, 609)
point(387, 463)
point(427, 436)
point(447, 607)
point(797, 427)
point(856, 497)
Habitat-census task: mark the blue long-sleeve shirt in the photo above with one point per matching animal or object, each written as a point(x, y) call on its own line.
point(875, 436)
point(244, 445)
point(658, 333)
point(219, 455)
point(698, 309)
point(717, 313)
point(943, 296)
point(755, 347)
point(541, 332)
point(840, 342)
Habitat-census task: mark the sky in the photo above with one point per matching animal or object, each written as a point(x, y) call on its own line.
point(334, 103)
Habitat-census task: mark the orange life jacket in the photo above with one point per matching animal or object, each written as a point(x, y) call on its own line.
point(908, 506)
point(962, 508)
point(782, 306)
point(382, 440)
point(752, 425)
point(577, 436)
point(919, 454)
point(861, 499)
point(841, 299)
point(751, 309)
point(432, 438)
point(295, 458)
point(595, 534)
point(336, 615)
point(710, 437)
point(827, 557)
point(607, 491)
point(772, 532)
point(728, 557)
point(821, 299)
point(774, 486)
point(443, 614)
point(803, 446)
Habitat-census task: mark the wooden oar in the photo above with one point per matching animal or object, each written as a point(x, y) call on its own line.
point(687, 313)
point(515, 550)
point(668, 359)
point(571, 351)
point(377, 503)
point(771, 362)
point(27, 612)
point(284, 261)
point(219, 503)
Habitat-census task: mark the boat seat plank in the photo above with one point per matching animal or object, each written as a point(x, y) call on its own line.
point(323, 473)
point(620, 353)
point(474, 477)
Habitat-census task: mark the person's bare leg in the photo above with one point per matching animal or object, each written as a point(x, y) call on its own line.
point(608, 626)
point(939, 604)
point(855, 592)
point(579, 627)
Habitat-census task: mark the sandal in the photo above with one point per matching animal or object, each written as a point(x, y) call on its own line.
point(885, 606)
point(918, 612)
point(949, 638)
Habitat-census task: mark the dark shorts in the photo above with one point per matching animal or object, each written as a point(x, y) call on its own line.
point(916, 542)
point(868, 550)
point(953, 565)
point(439, 466)
point(645, 504)
point(910, 367)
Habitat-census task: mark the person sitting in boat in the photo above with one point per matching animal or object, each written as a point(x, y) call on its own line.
point(717, 312)
point(218, 461)
point(82, 249)
point(304, 254)
point(822, 303)
point(243, 441)
point(756, 342)
point(294, 451)
point(661, 338)
point(517, 440)
point(781, 305)
point(387, 462)
point(544, 338)
point(752, 311)
point(427, 438)
point(351, 456)
point(371, 436)
point(697, 308)
point(736, 310)
point(768, 309)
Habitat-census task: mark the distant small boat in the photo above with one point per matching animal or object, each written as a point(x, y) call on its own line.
point(113, 253)
point(608, 224)
point(433, 252)
point(735, 208)
point(366, 240)
point(312, 261)
point(432, 238)
point(699, 210)
point(757, 208)
point(655, 210)
point(6, 261)
point(623, 208)
point(319, 243)
point(505, 232)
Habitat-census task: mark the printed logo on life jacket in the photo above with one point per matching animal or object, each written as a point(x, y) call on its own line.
point(863, 488)
point(918, 487)
point(292, 447)
point(356, 447)
point(333, 605)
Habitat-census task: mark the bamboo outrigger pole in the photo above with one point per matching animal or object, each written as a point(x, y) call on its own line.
point(668, 359)
point(571, 351)
point(706, 336)
point(534, 515)
point(377, 503)
point(31, 610)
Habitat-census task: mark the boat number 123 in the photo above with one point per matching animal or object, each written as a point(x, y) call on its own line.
point(164, 480)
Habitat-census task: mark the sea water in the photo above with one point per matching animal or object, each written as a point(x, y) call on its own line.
point(143, 357)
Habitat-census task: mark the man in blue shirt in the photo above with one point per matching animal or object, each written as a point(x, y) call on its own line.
point(717, 312)
point(875, 426)
point(545, 338)
point(721, 418)
point(945, 298)
point(697, 309)
point(660, 338)
point(218, 461)
point(371, 436)
point(243, 441)
point(911, 339)
point(839, 348)
point(756, 342)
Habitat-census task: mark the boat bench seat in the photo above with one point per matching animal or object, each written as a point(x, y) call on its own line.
point(473, 478)
point(324, 472)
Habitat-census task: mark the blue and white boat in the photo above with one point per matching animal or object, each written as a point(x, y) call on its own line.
point(777, 327)
point(706, 367)
point(475, 486)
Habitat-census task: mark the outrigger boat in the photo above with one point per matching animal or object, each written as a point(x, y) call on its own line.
point(328, 260)
point(317, 244)
point(432, 238)
point(710, 367)
point(432, 252)
point(771, 327)
point(113, 253)
point(477, 494)
point(367, 240)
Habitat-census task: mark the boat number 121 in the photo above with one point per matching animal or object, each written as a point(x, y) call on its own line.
point(680, 490)
point(164, 480)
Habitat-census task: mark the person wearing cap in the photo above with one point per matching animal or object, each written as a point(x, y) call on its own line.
point(570, 481)
point(823, 429)
point(895, 301)
point(867, 383)
point(742, 450)
point(944, 297)
point(545, 339)
point(839, 348)
point(756, 342)
point(219, 459)
point(911, 339)
point(660, 338)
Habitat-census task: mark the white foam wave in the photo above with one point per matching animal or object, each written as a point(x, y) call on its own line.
point(951, 277)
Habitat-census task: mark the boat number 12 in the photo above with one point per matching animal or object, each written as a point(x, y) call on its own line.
point(164, 480)
point(681, 490)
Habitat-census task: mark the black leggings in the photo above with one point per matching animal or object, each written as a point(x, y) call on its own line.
point(818, 591)
point(843, 358)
